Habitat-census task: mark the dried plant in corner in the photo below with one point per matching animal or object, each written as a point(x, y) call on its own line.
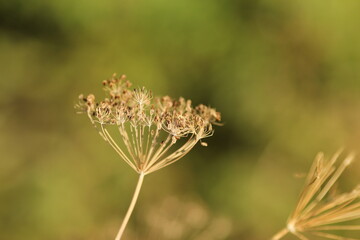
point(154, 132)
point(317, 212)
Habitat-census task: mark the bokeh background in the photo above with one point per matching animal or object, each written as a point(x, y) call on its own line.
point(284, 74)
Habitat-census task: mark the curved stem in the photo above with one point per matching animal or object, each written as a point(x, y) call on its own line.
point(280, 234)
point(131, 207)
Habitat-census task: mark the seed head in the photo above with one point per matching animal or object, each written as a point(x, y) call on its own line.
point(150, 127)
point(317, 211)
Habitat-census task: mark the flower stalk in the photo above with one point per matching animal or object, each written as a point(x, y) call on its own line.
point(131, 207)
point(280, 234)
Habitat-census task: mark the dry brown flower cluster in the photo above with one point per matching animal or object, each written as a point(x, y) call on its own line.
point(317, 211)
point(149, 127)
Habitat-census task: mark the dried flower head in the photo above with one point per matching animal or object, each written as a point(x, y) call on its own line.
point(149, 127)
point(317, 211)
point(155, 132)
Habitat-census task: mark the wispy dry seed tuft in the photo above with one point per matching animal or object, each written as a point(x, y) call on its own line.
point(317, 212)
point(149, 128)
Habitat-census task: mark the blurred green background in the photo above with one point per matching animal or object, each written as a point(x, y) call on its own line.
point(284, 74)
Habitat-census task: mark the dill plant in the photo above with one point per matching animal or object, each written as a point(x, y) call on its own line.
point(317, 212)
point(154, 131)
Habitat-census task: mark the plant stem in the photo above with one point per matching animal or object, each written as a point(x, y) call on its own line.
point(131, 207)
point(280, 234)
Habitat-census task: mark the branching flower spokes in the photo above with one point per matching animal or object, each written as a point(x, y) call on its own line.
point(149, 127)
point(317, 212)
